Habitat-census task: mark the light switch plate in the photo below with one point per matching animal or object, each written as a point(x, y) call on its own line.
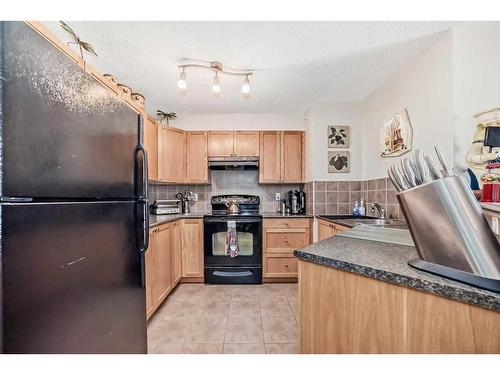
point(278, 196)
point(195, 197)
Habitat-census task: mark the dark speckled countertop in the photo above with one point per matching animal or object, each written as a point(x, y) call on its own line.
point(155, 220)
point(389, 263)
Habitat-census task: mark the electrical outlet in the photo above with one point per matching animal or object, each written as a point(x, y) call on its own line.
point(494, 225)
point(278, 196)
point(195, 197)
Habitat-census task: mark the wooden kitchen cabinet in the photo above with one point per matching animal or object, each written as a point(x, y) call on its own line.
point(171, 155)
point(345, 313)
point(281, 157)
point(233, 143)
point(246, 143)
point(220, 143)
point(270, 157)
point(292, 156)
point(281, 237)
point(328, 229)
point(163, 263)
point(192, 249)
point(151, 145)
point(176, 251)
point(196, 157)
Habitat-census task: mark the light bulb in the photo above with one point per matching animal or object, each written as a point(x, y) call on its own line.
point(181, 83)
point(245, 89)
point(216, 84)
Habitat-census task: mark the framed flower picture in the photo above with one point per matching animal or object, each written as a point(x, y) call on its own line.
point(338, 136)
point(339, 161)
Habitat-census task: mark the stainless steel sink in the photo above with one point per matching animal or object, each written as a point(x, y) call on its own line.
point(377, 222)
point(366, 220)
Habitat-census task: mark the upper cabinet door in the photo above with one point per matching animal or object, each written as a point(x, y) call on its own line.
point(292, 163)
point(197, 161)
point(246, 143)
point(171, 155)
point(221, 143)
point(151, 145)
point(270, 157)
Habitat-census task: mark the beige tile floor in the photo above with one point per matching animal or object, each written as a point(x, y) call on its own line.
point(226, 319)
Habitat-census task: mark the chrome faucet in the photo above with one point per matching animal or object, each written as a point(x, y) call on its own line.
point(381, 211)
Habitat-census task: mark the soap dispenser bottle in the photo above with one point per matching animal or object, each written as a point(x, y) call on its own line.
point(355, 210)
point(362, 208)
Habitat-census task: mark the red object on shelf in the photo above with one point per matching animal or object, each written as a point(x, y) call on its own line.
point(491, 192)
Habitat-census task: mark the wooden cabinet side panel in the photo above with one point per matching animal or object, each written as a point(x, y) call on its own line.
point(246, 143)
point(270, 157)
point(197, 157)
point(439, 325)
point(220, 143)
point(192, 248)
point(345, 313)
point(292, 165)
point(324, 321)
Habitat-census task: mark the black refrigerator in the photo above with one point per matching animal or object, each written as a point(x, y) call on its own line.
point(74, 219)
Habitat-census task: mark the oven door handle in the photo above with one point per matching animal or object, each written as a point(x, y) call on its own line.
point(233, 274)
point(238, 221)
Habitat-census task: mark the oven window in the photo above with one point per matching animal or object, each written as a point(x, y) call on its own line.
point(245, 240)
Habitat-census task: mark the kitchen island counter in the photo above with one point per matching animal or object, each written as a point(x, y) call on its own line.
point(389, 263)
point(361, 296)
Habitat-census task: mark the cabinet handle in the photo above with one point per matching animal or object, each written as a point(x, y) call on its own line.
point(286, 241)
point(286, 265)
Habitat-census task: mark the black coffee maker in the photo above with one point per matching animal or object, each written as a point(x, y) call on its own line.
point(296, 201)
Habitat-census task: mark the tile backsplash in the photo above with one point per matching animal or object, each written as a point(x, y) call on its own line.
point(322, 197)
point(338, 197)
point(227, 182)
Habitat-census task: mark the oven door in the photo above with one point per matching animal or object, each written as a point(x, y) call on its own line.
point(249, 233)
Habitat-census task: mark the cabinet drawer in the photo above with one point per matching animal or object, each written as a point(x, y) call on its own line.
point(280, 266)
point(283, 239)
point(286, 223)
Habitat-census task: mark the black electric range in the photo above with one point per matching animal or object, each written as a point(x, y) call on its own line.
point(246, 267)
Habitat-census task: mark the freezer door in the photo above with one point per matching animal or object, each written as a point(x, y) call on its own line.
point(64, 135)
point(72, 278)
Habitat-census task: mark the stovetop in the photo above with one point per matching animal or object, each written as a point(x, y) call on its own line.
point(249, 205)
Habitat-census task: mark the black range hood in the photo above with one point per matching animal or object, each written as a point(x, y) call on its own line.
point(234, 163)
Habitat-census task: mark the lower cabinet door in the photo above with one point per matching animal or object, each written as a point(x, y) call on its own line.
point(280, 265)
point(192, 248)
point(325, 230)
point(176, 252)
point(163, 263)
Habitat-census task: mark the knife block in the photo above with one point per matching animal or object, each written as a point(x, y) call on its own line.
point(451, 234)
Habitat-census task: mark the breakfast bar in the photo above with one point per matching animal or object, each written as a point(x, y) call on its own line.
point(361, 296)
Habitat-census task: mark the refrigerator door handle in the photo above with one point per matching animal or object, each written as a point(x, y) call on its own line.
point(142, 225)
point(141, 160)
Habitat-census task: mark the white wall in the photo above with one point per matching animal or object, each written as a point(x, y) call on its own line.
point(476, 79)
point(319, 116)
point(240, 121)
point(424, 88)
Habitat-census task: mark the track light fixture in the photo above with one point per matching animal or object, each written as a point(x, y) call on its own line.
point(217, 68)
point(182, 83)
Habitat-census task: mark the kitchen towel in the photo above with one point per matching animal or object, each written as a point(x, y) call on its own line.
point(232, 248)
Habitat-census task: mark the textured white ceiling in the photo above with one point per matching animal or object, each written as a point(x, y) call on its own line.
point(296, 63)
